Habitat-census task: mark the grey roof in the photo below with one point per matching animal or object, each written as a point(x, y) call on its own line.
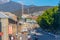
point(2, 15)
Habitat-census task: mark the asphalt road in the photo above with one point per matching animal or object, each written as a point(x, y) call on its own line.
point(44, 36)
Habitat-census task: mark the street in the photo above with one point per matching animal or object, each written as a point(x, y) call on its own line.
point(45, 36)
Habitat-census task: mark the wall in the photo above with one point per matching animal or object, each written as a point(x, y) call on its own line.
point(4, 29)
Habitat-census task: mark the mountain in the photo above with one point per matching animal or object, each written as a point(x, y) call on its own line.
point(4, 1)
point(12, 7)
point(16, 8)
point(39, 8)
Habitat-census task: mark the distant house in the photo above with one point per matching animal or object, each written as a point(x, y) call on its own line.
point(33, 15)
point(8, 24)
point(37, 13)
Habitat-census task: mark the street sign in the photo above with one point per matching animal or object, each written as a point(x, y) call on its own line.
point(1, 33)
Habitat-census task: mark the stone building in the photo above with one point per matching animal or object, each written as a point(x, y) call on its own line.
point(8, 25)
point(3, 26)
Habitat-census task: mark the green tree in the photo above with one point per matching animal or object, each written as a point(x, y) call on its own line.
point(50, 20)
point(56, 22)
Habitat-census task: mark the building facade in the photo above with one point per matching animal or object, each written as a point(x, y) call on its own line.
point(8, 25)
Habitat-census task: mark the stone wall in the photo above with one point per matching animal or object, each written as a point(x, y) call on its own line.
point(4, 28)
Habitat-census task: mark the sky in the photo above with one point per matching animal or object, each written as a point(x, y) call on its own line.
point(39, 2)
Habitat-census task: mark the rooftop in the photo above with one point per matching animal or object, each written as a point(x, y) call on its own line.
point(2, 15)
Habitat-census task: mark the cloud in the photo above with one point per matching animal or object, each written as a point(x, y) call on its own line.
point(4, 1)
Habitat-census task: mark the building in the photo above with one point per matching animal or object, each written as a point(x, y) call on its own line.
point(8, 25)
point(26, 27)
point(3, 26)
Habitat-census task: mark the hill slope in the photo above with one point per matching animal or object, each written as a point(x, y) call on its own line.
point(15, 8)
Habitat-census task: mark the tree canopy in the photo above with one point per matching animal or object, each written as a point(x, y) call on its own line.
point(50, 20)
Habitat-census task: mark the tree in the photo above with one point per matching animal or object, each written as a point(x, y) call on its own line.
point(56, 22)
point(50, 20)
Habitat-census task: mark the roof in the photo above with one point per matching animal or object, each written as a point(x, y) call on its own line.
point(2, 15)
point(11, 15)
point(8, 15)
